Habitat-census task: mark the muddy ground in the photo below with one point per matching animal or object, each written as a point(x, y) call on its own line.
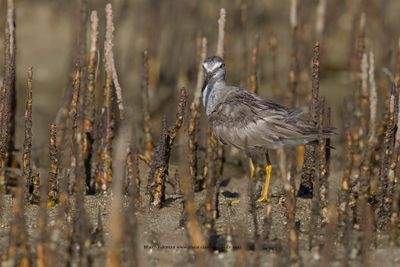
point(163, 239)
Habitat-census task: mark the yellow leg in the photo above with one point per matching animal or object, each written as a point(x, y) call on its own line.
point(264, 194)
point(252, 168)
point(268, 171)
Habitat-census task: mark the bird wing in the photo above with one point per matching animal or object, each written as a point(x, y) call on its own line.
point(245, 120)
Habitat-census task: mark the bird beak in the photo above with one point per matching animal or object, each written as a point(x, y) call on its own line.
point(206, 80)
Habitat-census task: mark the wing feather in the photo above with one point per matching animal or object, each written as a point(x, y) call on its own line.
point(243, 120)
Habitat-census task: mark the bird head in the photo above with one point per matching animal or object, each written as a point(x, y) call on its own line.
point(214, 67)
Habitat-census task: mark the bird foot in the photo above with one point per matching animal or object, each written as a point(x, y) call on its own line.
point(262, 199)
point(234, 202)
point(237, 201)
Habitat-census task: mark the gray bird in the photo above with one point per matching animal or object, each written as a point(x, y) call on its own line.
point(248, 122)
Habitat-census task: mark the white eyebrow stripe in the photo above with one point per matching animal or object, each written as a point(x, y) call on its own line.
point(210, 66)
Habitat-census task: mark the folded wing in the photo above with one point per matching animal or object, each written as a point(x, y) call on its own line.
point(245, 120)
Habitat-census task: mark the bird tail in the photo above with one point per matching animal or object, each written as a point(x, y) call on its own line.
point(327, 133)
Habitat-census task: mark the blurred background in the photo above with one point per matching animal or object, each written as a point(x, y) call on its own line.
point(47, 33)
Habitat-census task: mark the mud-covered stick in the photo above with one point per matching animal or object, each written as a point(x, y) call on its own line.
point(53, 192)
point(9, 84)
point(148, 139)
point(104, 169)
point(116, 238)
point(162, 154)
point(89, 103)
point(308, 171)
point(27, 156)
